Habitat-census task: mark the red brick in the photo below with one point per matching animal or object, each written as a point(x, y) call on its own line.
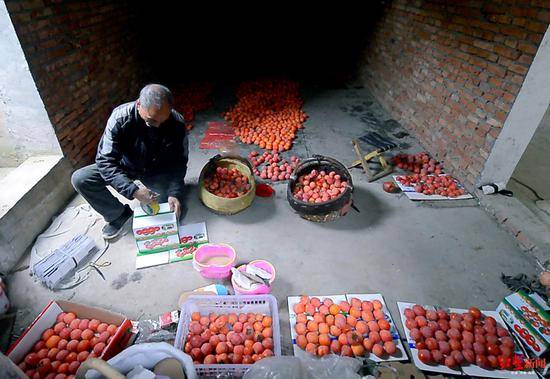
point(520, 21)
point(497, 70)
point(536, 26)
point(513, 43)
point(506, 52)
point(518, 68)
point(472, 66)
point(513, 31)
point(508, 97)
point(527, 47)
point(525, 59)
point(59, 56)
point(544, 16)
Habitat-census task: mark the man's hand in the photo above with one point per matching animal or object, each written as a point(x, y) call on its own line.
point(175, 206)
point(144, 195)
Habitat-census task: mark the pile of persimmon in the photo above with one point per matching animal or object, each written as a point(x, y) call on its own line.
point(62, 348)
point(274, 168)
point(419, 163)
point(232, 338)
point(443, 185)
point(192, 98)
point(319, 186)
point(268, 113)
point(227, 182)
point(455, 339)
point(350, 329)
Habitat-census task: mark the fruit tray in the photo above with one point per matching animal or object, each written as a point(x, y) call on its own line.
point(465, 369)
point(399, 355)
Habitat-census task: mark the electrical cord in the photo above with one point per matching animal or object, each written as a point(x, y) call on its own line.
point(528, 187)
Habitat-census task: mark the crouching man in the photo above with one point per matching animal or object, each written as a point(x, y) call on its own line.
point(144, 140)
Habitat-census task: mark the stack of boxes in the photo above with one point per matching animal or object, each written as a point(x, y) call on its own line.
point(527, 316)
point(160, 240)
point(155, 236)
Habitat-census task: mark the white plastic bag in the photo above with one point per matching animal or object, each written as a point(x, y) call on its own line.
point(147, 355)
point(327, 367)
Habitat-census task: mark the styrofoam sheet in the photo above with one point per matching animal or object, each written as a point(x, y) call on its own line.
point(414, 351)
point(298, 352)
point(473, 370)
point(470, 370)
point(413, 195)
point(292, 300)
point(402, 355)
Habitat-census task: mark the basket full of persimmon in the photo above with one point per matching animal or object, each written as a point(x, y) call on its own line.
point(320, 189)
point(227, 185)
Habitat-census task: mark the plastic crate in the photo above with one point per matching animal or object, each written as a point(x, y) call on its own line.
point(265, 304)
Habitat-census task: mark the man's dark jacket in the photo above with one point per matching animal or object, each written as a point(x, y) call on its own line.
point(129, 150)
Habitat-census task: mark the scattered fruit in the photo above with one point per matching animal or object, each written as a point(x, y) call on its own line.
point(275, 168)
point(192, 98)
point(390, 187)
point(268, 113)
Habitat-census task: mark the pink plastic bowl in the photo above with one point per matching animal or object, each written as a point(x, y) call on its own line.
point(214, 261)
point(261, 289)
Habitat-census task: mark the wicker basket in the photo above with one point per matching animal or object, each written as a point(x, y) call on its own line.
point(329, 210)
point(222, 205)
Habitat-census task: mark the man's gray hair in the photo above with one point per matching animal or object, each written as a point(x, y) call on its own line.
point(155, 95)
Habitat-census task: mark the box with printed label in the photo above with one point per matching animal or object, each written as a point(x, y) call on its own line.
point(529, 321)
point(158, 244)
point(163, 224)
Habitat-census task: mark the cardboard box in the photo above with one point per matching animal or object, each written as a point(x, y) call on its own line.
point(158, 244)
point(163, 224)
point(528, 320)
point(171, 248)
point(47, 319)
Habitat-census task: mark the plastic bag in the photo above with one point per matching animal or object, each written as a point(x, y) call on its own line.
point(147, 355)
point(9, 370)
point(150, 331)
point(229, 148)
point(327, 367)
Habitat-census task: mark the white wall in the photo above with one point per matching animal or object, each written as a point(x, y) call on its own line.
point(25, 128)
point(522, 121)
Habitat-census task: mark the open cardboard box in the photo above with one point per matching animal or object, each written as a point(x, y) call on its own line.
point(47, 319)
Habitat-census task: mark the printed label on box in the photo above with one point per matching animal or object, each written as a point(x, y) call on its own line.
point(528, 321)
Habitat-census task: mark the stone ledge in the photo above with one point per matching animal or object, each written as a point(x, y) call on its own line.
point(530, 232)
point(31, 195)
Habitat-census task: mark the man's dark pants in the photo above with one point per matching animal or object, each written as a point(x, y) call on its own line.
point(88, 182)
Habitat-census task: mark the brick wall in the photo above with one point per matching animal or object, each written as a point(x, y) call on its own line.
point(83, 57)
point(450, 71)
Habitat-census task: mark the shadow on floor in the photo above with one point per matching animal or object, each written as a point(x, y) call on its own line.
point(261, 208)
point(371, 212)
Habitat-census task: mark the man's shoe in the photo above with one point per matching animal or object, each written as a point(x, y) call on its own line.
point(113, 229)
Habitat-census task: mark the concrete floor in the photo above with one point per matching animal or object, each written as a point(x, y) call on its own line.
point(448, 254)
point(4, 171)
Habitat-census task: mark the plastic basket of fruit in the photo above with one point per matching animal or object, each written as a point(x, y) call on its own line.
point(227, 185)
point(212, 328)
point(320, 189)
